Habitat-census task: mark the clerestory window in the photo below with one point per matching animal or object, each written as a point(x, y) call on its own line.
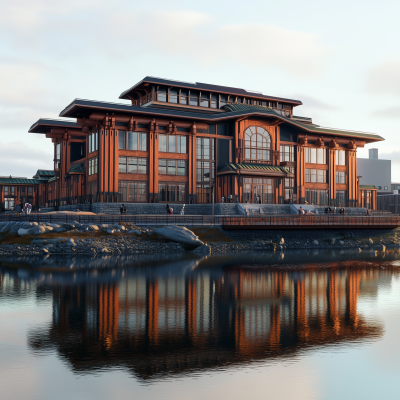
point(257, 144)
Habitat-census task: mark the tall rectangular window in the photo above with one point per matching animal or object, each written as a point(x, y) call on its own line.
point(122, 165)
point(340, 177)
point(162, 167)
point(122, 140)
point(132, 141)
point(322, 173)
point(93, 166)
point(287, 153)
point(313, 175)
point(340, 157)
point(172, 144)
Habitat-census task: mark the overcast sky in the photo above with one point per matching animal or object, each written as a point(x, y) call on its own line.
point(341, 59)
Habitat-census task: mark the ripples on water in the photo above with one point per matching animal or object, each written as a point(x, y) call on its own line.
point(158, 319)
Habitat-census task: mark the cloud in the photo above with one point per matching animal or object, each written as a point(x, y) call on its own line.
point(384, 78)
point(20, 159)
point(188, 36)
point(392, 112)
point(313, 103)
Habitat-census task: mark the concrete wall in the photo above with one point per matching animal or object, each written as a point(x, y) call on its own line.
point(375, 172)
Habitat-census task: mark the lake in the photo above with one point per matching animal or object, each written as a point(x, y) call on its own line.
point(295, 325)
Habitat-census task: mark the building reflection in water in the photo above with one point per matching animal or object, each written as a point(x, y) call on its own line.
point(157, 321)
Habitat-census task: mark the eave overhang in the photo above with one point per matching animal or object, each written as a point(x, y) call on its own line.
point(83, 108)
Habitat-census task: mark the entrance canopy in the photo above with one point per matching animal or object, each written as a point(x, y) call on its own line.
point(255, 169)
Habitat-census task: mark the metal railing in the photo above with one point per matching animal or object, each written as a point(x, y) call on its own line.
point(244, 222)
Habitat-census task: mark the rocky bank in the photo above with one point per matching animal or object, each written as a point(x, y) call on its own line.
point(32, 238)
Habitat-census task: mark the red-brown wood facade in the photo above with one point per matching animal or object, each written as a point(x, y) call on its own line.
point(186, 143)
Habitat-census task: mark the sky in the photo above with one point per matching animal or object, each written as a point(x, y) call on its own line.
point(341, 59)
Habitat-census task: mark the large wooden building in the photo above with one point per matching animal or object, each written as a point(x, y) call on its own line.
point(181, 142)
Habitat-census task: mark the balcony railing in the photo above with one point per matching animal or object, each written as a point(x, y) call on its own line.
point(228, 222)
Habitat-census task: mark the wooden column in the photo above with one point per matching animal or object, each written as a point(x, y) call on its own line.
point(115, 187)
point(332, 176)
point(352, 177)
point(155, 158)
point(100, 163)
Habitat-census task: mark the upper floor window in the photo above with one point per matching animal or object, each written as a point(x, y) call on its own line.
point(172, 144)
point(30, 189)
point(340, 157)
point(93, 142)
point(6, 189)
point(132, 140)
point(132, 165)
point(205, 148)
point(257, 144)
point(172, 167)
point(340, 177)
point(93, 166)
point(287, 153)
point(314, 155)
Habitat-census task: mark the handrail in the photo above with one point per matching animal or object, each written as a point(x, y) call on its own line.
point(248, 222)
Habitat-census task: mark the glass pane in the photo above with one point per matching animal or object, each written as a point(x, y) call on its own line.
point(162, 192)
point(313, 154)
point(132, 140)
point(132, 191)
point(162, 167)
point(172, 144)
point(162, 143)
point(171, 167)
point(142, 165)
point(182, 146)
point(182, 168)
point(122, 165)
point(132, 165)
point(143, 142)
point(121, 140)
point(171, 193)
point(206, 148)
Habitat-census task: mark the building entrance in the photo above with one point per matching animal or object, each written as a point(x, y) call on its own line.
point(258, 190)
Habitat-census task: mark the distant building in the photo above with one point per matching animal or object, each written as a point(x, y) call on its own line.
point(373, 171)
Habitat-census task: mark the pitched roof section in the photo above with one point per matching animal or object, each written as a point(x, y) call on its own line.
point(42, 125)
point(371, 187)
point(77, 169)
point(45, 173)
point(238, 107)
point(207, 87)
point(256, 169)
point(233, 111)
point(19, 181)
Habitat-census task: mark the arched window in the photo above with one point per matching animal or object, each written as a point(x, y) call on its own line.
point(257, 144)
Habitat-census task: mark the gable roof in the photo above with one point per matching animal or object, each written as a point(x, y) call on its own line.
point(371, 187)
point(312, 128)
point(44, 173)
point(77, 169)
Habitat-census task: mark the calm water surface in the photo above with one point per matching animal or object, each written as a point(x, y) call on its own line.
point(298, 325)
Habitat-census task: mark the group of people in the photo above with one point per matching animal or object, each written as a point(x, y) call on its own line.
point(26, 209)
point(303, 212)
point(329, 210)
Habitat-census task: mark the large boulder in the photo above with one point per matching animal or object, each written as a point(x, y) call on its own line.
point(40, 229)
point(179, 234)
point(203, 249)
